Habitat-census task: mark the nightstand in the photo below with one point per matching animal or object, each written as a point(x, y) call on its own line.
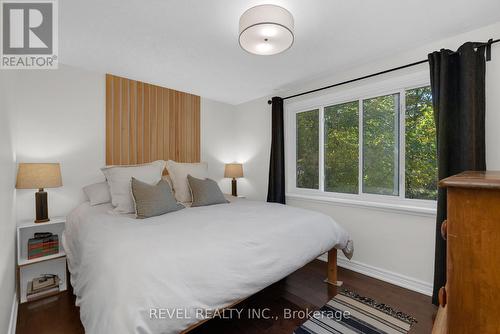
point(54, 264)
point(239, 196)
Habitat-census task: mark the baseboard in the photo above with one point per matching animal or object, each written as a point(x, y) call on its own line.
point(13, 316)
point(403, 281)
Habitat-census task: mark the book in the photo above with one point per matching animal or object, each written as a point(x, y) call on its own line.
point(43, 249)
point(42, 282)
point(42, 253)
point(42, 286)
point(44, 243)
point(42, 235)
point(36, 241)
point(46, 289)
point(42, 294)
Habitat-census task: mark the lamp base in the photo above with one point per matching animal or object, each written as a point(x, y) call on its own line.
point(42, 211)
point(234, 191)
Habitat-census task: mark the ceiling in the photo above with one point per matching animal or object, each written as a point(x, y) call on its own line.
point(192, 45)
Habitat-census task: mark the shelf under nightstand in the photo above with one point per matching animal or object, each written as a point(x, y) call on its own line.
point(28, 269)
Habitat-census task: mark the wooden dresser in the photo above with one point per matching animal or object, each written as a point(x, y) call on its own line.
point(470, 301)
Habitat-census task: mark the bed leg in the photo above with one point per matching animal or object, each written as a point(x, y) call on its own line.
point(332, 268)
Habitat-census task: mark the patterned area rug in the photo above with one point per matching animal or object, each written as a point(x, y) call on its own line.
point(350, 313)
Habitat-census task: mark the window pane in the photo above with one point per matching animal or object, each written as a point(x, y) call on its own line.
point(420, 165)
point(341, 148)
point(381, 145)
point(308, 149)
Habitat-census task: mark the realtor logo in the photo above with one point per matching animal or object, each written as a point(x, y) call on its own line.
point(29, 34)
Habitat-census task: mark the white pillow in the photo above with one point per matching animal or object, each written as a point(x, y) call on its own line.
point(119, 180)
point(98, 193)
point(178, 173)
point(169, 181)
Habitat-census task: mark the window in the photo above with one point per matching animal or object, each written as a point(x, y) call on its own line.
point(342, 148)
point(421, 164)
point(382, 145)
point(308, 149)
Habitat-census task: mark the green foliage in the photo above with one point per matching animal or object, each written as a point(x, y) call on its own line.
point(381, 145)
point(342, 148)
point(308, 149)
point(421, 163)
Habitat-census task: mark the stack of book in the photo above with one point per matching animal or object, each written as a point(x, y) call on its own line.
point(43, 244)
point(43, 286)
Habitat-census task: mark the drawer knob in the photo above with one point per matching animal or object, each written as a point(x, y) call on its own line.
point(444, 229)
point(442, 296)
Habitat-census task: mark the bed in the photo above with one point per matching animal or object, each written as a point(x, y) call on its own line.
point(125, 272)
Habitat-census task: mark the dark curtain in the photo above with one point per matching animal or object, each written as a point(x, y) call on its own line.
point(276, 187)
point(458, 94)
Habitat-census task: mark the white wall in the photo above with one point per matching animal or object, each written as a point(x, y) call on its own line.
point(237, 134)
point(253, 147)
point(389, 244)
point(59, 117)
point(493, 108)
point(7, 218)
point(218, 133)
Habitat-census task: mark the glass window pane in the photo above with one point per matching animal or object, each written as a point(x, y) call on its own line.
point(381, 145)
point(308, 149)
point(420, 145)
point(342, 148)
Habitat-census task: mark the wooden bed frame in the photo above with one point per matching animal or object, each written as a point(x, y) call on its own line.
point(330, 279)
point(146, 123)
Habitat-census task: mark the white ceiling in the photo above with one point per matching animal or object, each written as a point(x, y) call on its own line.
point(192, 45)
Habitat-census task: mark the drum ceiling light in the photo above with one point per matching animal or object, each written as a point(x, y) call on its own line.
point(266, 30)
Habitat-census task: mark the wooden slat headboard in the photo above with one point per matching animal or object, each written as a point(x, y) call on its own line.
point(145, 123)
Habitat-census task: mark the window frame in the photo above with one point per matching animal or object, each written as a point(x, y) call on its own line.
point(358, 93)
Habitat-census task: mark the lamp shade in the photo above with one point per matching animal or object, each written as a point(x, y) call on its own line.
point(233, 170)
point(266, 30)
point(38, 176)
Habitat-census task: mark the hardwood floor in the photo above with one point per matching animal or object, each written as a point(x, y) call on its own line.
point(302, 290)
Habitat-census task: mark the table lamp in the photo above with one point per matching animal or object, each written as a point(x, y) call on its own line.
point(233, 171)
point(39, 176)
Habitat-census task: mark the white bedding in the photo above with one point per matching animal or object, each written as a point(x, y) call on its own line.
point(204, 257)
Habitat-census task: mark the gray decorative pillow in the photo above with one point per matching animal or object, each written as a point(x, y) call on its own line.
point(205, 192)
point(153, 200)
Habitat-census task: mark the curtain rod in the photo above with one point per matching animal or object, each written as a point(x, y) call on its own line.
point(488, 57)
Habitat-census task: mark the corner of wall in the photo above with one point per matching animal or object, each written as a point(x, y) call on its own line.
point(253, 124)
point(218, 133)
point(8, 300)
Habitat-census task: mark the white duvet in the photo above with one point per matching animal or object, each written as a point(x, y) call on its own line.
point(123, 269)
